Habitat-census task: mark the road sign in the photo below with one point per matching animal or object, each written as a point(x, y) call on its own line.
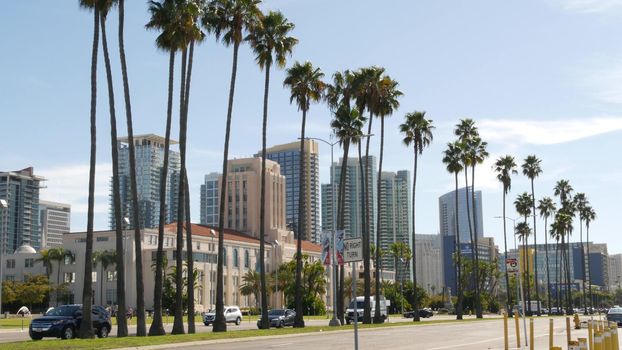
point(511, 265)
point(352, 249)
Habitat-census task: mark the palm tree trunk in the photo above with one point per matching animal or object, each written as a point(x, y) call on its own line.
point(341, 222)
point(459, 259)
point(88, 266)
point(589, 271)
point(558, 277)
point(527, 286)
point(478, 301)
point(178, 320)
point(157, 328)
point(364, 231)
point(265, 322)
point(546, 256)
point(140, 288)
point(535, 250)
point(58, 276)
point(189, 262)
point(367, 240)
point(190, 257)
point(505, 253)
point(569, 289)
point(219, 323)
point(377, 318)
point(101, 284)
point(582, 266)
point(414, 248)
point(299, 321)
point(122, 331)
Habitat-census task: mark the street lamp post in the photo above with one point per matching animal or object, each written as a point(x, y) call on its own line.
point(402, 290)
point(126, 222)
point(276, 244)
point(4, 205)
point(334, 321)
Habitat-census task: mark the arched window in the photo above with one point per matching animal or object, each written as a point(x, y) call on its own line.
point(247, 259)
point(236, 258)
point(224, 256)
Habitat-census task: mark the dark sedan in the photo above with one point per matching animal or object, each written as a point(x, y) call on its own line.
point(64, 322)
point(424, 313)
point(279, 318)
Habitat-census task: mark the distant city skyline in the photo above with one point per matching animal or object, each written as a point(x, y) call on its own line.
point(550, 88)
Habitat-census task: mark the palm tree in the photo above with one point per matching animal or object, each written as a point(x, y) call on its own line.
point(402, 253)
point(547, 208)
point(365, 85)
point(188, 33)
point(140, 288)
point(453, 161)
point(532, 169)
point(270, 42)
point(306, 86)
point(564, 190)
point(228, 20)
point(505, 167)
point(523, 231)
point(477, 153)
point(387, 102)
point(466, 131)
point(523, 205)
point(105, 258)
point(588, 215)
point(88, 266)
point(581, 202)
point(557, 236)
point(417, 131)
point(164, 18)
point(252, 285)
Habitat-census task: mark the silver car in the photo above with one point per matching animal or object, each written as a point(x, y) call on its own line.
point(232, 315)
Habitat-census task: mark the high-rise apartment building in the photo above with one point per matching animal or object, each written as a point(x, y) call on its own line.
point(243, 199)
point(395, 223)
point(615, 271)
point(353, 220)
point(149, 164)
point(447, 218)
point(20, 224)
point(55, 220)
point(288, 157)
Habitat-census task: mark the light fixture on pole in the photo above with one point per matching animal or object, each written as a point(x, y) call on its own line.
point(4, 205)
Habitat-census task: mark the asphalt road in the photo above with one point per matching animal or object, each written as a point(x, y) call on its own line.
point(487, 334)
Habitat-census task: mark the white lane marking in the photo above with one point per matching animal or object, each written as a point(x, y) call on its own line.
point(280, 345)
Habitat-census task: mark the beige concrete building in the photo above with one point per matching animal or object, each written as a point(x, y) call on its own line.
point(241, 253)
point(615, 271)
point(429, 262)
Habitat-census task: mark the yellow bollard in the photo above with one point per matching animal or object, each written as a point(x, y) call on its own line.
point(517, 326)
point(616, 340)
point(556, 348)
point(551, 333)
point(590, 333)
point(606, 340)
point(582, 344)
point(568, 335)
point(506, 341)
point(598, 341)
point(531, 347)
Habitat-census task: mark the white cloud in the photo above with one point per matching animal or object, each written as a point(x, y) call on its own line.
point(70, 184)
point(547, 132)
point(590, 6)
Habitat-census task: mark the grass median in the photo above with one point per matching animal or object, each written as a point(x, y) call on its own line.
point(115, 343)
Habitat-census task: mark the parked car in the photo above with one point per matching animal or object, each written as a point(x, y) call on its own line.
point(615, 315)
point(64, 322)
point(424, 313)
point(279, 318)
point(232, 315)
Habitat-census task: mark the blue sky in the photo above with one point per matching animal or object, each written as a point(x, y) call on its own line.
point(539, 77)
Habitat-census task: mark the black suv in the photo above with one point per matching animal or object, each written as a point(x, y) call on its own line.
point(279, 318)
point(64, 322)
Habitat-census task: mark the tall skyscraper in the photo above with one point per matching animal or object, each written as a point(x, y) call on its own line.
point(395, 218)
point(55, 220)
point(353, 222)
point(244, 198)
point(447, 218)
point(288, 157)
point(149, 163)
point(21, 219)
point(615, 271)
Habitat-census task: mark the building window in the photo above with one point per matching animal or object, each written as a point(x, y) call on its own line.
point(10, 264)
point(29, 263)
point(236, 260)
point(69, 259)
point(9, 278)
point(111, 296)
point(94, 276)
point(224, 256)
point(111, 276)
point(70, 277)
point(247, 259)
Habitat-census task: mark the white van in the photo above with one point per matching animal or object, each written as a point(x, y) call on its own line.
point(360, 301)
